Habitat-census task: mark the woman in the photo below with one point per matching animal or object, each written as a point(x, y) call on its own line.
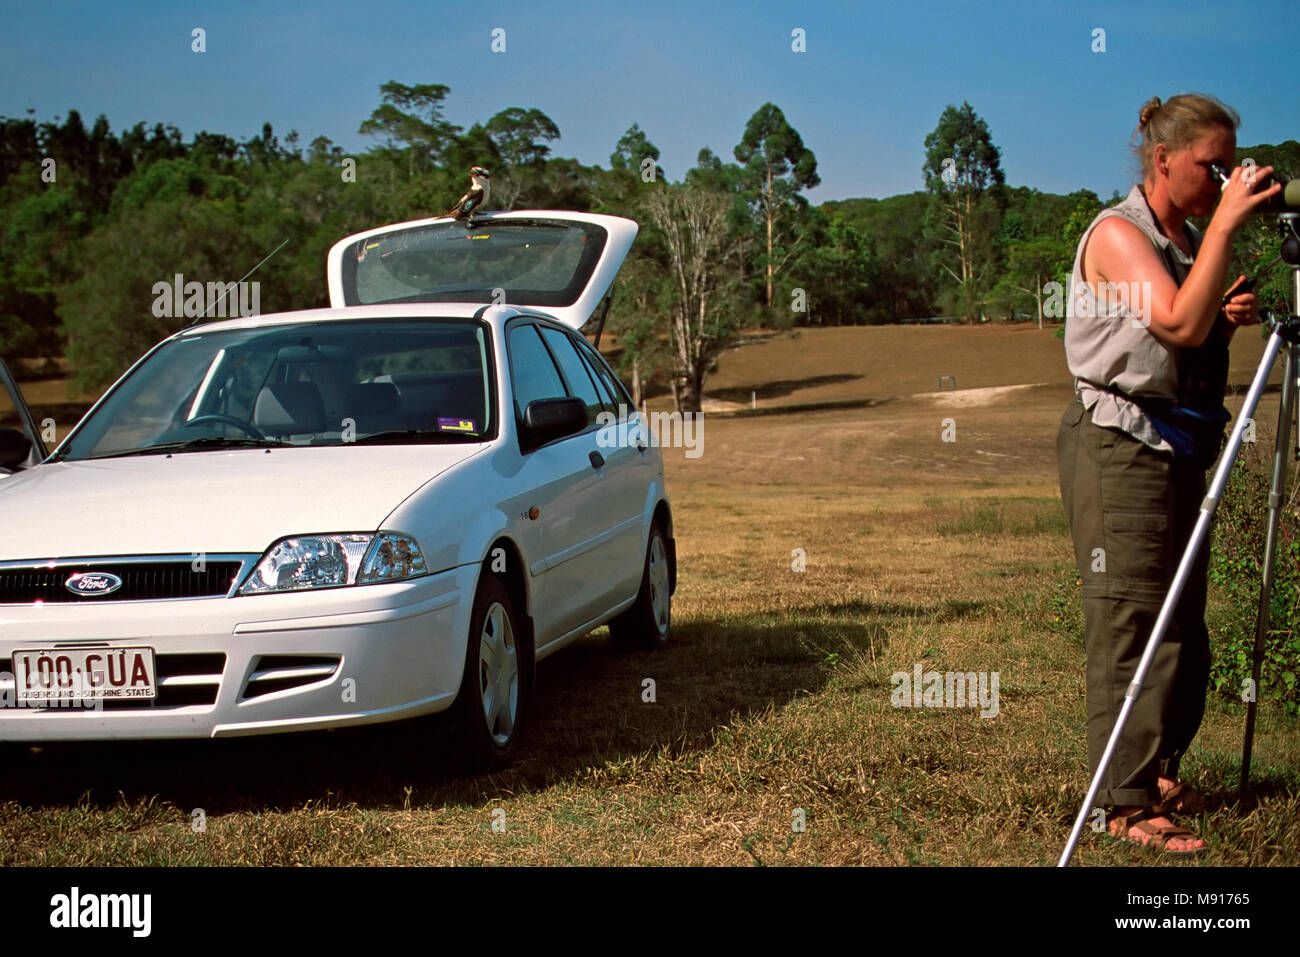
point(1147, 342)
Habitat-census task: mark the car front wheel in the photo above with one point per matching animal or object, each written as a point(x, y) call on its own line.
point(492, 703)
point(646, 624)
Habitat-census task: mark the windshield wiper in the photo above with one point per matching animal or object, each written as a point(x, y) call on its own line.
point(415, 436)
point(203, 444)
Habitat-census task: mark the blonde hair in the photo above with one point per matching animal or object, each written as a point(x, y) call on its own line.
point(1177, 122)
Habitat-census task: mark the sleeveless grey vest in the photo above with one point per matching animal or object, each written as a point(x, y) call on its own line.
point(1107, 342)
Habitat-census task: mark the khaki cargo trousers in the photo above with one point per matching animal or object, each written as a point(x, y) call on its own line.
point(1131, 512)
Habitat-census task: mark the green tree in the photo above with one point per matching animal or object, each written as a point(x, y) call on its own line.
point(777, 166)
point(906, 283)
point(632, 150)
point(644, 353)
point(838, 272)
point(521, 135)
point(564, 183)
point(19, 145)
point(264, 150)
point(410, 117)
point(519, 138)
point(1030, 265)
point(621, 185)
point(964, 173)
point(107, 312)
point(141, 147)
point(1085, 210)
point(41, 224)
point(172, 179)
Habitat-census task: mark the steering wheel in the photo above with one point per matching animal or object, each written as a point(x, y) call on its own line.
point(244, 427)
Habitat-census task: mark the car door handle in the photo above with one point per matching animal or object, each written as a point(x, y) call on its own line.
point(597, 460)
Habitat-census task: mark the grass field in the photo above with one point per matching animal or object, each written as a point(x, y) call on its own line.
point(772, 704)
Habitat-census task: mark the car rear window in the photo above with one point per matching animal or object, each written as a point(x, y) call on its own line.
point(538, 263)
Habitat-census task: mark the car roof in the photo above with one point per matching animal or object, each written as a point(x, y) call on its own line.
point(494, 315)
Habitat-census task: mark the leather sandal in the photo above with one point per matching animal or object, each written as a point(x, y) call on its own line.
point(1182, 798)
point(1159, 835)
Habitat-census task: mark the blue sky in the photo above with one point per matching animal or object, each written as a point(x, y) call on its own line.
point(872, 82)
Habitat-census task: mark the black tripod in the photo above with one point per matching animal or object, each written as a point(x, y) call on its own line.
point(1285, 335)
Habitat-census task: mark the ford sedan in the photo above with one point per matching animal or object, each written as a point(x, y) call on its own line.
point(388, 508)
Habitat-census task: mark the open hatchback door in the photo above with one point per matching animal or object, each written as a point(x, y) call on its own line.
point(560, 263)
point(20, 441)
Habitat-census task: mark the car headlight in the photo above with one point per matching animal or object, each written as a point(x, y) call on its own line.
point(328, 561)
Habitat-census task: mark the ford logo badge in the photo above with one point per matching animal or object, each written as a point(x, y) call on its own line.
point(92, 584)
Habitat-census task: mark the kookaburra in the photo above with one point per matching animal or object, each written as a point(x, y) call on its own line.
point(477, 197)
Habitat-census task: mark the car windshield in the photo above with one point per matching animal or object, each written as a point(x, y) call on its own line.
point(318, 384)
point(540, 263)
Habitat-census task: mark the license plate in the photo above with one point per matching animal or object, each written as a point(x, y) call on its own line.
point(72, 674)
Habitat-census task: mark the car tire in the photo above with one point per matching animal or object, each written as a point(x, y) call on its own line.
point(645, 626)
point(491, 707)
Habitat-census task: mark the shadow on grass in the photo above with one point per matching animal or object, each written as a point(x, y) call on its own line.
point(799, 407)
point(779, 387)
point(591, 710)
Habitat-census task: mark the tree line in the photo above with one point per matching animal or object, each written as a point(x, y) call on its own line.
point(94, 219)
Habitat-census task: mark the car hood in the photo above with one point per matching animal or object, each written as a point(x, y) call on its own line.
point(218, 501)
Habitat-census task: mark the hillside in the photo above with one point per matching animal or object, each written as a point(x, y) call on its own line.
point(872, 363)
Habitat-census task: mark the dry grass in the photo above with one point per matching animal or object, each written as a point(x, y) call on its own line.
point(773, 697)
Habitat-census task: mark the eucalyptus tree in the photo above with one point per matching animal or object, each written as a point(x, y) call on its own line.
point(776, 167)
point(963, 171)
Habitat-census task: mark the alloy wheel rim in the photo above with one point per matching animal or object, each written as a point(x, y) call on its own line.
point(658, 577)
point(498, 673)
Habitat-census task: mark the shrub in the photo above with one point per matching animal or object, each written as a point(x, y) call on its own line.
point(1235, 573)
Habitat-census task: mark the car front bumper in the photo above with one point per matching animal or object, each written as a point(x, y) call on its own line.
point(256, 664)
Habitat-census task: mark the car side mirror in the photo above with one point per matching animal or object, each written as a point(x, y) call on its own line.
point(546, 420)
point(14, 448)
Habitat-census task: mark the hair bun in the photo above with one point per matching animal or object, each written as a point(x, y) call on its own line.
point(1148, 110)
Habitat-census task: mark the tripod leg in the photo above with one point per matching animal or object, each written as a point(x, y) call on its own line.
point(1194, 544)
point(1277, 494)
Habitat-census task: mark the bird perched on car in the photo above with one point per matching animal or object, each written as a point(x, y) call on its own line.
point(477, 197)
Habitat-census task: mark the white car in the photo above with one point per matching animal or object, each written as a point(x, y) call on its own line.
point(383, 509)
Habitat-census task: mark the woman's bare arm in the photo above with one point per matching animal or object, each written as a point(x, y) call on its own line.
point(1119, 252)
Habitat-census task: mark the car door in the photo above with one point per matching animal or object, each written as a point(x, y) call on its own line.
point(620, 490)
point(17, 428)
point(569, 580)
point(632, 437)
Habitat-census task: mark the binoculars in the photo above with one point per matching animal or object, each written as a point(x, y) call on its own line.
point(1286, 201)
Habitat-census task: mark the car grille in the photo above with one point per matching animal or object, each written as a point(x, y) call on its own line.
point(282, 672)
point(184, 680)
point(141, 581)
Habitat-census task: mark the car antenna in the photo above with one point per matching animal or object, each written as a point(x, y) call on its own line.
point(234, 285)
